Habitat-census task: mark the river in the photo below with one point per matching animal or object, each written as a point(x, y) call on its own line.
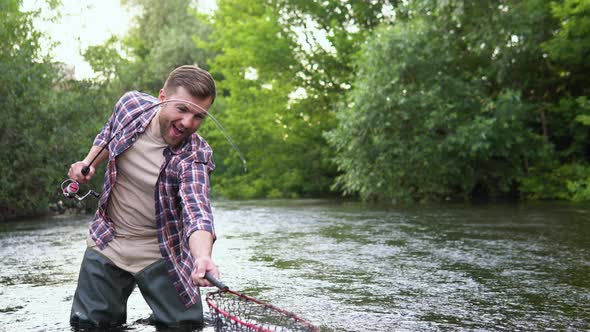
point(348, 266)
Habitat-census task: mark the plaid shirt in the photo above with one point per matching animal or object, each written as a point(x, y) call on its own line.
point(181, 194)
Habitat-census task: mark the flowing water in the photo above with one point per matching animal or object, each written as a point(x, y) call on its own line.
point(348, 266)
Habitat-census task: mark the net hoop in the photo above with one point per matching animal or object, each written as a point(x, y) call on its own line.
point(214, 307)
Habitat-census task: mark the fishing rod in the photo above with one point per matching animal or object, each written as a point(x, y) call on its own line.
point(70, 187)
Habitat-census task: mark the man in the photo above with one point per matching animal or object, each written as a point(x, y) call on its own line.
point(154, 226)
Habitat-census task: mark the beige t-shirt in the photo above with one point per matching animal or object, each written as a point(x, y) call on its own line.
point(131, 204)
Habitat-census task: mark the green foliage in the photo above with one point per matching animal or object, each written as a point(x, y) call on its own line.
point(26, 78)
point(566, 182)
point(569, 56)
point(433, 113)
point(392, 100)
point(280, 129)
point(568, 51)
point(570, 47)
point(280, 135)
point(584, 106)
point(161, 40)
point(106, 60)
point(47, 120)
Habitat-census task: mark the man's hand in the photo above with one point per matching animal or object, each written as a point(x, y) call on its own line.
point(97, 154)
point(75, 172)
point(201, 246)
point(203, 265)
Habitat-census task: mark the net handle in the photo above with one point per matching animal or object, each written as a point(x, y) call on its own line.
point(216, 282)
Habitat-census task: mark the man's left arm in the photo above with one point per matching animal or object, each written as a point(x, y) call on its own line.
point(198, 217)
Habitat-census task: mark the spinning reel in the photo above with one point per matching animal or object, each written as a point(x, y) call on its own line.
point(71, 189)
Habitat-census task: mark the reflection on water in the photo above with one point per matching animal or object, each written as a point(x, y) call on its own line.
point(348, 266)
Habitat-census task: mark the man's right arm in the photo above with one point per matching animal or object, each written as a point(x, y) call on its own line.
point(75, 172)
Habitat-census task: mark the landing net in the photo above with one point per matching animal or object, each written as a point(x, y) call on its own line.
point(233, 311)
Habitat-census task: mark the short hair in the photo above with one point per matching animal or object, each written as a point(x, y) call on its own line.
point(198, 82)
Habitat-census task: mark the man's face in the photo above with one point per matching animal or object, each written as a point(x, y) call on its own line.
point(179, 120)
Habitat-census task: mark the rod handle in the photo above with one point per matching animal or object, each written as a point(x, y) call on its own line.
point(215, 281)
point(85, 170)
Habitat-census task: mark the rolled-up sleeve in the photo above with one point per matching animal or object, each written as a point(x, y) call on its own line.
point(194, 194)
point(102, 138)
point(125, 110)
point(105, 133)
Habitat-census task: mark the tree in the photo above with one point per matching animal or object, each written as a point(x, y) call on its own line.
point(443, 103)
point(259, 73)
point(28, 79)
point(161, 40)
point(565, 176)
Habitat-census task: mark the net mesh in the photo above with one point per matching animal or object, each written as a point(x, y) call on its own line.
point(233, 311)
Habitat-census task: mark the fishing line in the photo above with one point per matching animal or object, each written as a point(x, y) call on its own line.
point(86, 169)
point(70, 187)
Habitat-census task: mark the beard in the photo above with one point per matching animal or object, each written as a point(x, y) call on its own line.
point(172, 134)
